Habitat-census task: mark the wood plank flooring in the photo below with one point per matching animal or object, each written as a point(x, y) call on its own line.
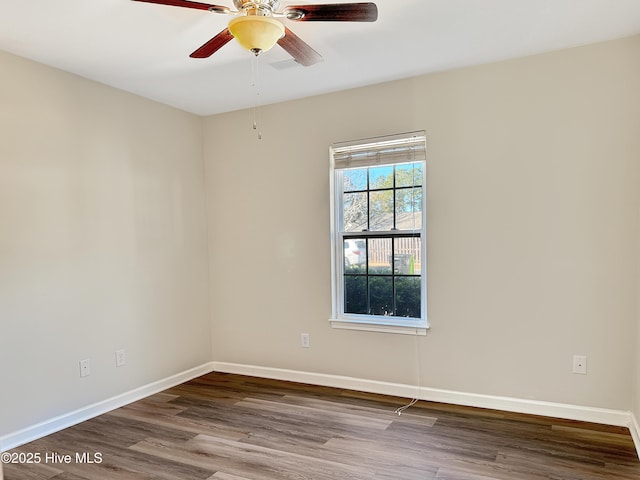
point(231, 427)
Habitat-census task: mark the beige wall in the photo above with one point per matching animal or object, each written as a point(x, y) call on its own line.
point(532, 228)
point(533, 233)
point(102, 242)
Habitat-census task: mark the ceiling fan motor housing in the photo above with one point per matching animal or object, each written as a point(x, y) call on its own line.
point(257, 7)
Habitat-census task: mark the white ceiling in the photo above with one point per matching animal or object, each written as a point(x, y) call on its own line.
point(144, 48)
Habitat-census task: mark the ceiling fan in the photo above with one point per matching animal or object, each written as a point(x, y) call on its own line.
point(257, 29)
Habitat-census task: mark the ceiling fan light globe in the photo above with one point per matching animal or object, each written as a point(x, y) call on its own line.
point(255, 32)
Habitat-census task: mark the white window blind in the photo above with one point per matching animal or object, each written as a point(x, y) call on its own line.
point(387, 150)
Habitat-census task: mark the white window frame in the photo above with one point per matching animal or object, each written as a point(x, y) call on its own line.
point(393, 149)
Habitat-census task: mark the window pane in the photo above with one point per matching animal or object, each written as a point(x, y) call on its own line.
point(409, 175)
point(355, 256)
point(355, 294)
point(355, 212)
point(355, 179)
point(381, 177)
point(381, 210)
point(408, 297)
point(380, 256)
point(409, 208)
point(381, 295)
point(407, 259)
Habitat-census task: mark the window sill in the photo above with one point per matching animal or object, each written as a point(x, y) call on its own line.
point(378, 327)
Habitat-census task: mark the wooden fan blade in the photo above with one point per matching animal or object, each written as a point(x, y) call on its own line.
point(299, 49)
point(334, 12)
point(185, 3)
point(213, 45)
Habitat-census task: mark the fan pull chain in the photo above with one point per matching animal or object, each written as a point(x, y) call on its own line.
point(255, 86)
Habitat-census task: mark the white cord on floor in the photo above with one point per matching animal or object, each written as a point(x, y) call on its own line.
point(399, 410)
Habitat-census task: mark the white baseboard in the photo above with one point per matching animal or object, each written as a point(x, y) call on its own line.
point(533, 407)
point(66, 420)
point(634, 428)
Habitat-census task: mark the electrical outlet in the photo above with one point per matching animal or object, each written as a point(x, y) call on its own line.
point(580, 364)
point(85, 367)
point(304, 340)
point(121, 358)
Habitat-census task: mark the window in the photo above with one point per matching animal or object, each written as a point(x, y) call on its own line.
point(378, 220)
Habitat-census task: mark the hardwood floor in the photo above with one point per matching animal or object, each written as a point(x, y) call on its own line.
point(230, 427)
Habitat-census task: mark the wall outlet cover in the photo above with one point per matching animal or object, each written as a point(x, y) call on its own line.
point(580, 364)
point(121, 358)
point(85, 367)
